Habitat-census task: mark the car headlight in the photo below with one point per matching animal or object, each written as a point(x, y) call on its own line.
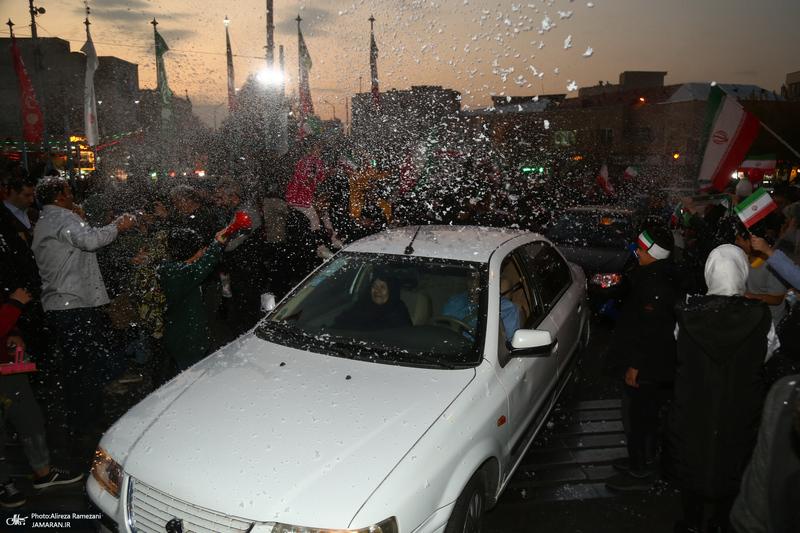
point(107, 472)
point(606, 280)
point(387, 526)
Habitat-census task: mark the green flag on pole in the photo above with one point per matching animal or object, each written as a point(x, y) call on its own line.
point(164, 94)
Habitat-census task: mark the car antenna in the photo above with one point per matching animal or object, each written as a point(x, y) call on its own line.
point(410, 249)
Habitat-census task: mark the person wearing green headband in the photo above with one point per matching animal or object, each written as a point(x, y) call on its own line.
point(643, 352)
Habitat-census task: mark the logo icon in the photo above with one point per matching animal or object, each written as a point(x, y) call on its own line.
point(720, 137)
point(16, 520)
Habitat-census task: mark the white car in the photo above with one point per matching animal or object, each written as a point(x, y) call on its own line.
point(348, 410)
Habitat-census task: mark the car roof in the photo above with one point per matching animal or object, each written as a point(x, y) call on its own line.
point(611, 209)
point(464, 243)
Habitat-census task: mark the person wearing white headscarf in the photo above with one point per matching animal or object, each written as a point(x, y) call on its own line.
point(723, 339)
point(726, 271)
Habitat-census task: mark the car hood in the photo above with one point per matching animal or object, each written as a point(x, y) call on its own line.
point(269, 433)
point(595, 259)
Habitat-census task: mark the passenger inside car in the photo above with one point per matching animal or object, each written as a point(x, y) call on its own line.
point(380, 308)
point(464, 306)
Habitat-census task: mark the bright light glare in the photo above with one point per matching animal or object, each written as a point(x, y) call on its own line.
point(270, 77)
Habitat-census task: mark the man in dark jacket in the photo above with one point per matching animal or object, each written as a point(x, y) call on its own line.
point(243, 260)
point(643, 347)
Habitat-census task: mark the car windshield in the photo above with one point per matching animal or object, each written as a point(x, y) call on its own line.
point(387, 309)
point(605, 230)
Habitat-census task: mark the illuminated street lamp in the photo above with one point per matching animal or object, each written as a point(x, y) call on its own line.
point(270, 76)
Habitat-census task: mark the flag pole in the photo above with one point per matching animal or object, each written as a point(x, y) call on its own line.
point(781, 140)
point(24, 151)
point(299, 75)
point(85, 103)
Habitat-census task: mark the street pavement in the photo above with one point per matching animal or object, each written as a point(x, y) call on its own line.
point(559, 487)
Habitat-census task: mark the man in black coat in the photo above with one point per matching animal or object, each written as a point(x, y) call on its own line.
point(643, 348)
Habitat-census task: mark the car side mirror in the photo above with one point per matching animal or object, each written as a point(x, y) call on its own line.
point(531, 343)
point(267, 302)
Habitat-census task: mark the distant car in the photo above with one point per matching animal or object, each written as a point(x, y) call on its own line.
point(597, 238)
point(308, 424)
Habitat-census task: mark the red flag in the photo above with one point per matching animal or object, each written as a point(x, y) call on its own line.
point(373, 67)
point(32, 120)
point(602, 179)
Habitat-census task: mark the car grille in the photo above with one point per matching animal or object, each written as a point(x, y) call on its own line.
point(149, 510)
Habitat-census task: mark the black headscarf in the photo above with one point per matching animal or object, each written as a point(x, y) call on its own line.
point(368, 315)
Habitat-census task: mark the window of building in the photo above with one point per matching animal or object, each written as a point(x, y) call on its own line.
point(605, 135)
point(565, 138)
point(639, 133)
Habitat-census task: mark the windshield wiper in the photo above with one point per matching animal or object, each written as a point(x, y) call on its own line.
point(283, 330)
point(379, 352)
point(438, 361)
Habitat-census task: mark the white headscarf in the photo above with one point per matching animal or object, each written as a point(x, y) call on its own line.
point(726, 271)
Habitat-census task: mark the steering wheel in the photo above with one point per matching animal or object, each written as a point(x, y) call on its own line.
point(453, 323)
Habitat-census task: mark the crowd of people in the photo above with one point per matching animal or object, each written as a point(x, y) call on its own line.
point(134, 279)
point(710, 324)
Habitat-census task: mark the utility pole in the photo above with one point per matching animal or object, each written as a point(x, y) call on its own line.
point(37, 69)
point(35, 11)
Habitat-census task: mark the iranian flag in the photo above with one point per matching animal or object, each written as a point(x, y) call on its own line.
point(757, 166)
point(162, 86)
point(728, 131)
point(755, 207)
point(309, 124)
point(373, 68)
point(232, 106)
point(631, 173)
point(89, 100)
point(602, 179)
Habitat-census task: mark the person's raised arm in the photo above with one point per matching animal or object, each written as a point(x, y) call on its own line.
point(779, 261)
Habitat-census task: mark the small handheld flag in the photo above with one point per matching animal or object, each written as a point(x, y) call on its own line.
point(605, 183)
point(755, 207)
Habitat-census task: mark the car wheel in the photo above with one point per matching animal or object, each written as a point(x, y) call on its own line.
point(467, 516)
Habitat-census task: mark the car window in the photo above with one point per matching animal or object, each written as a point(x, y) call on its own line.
point(514, 287)
point(551, 273)
point(386, 308)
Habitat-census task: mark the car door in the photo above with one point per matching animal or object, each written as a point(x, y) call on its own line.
point(552, 277)
point(527, 380)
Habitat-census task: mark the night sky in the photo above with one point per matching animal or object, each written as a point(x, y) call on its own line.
point(478, 47)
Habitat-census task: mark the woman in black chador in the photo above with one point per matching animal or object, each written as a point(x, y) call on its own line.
point(380, 308)
point(723, 339)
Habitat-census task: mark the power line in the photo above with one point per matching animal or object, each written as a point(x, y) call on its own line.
point(148, 48)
